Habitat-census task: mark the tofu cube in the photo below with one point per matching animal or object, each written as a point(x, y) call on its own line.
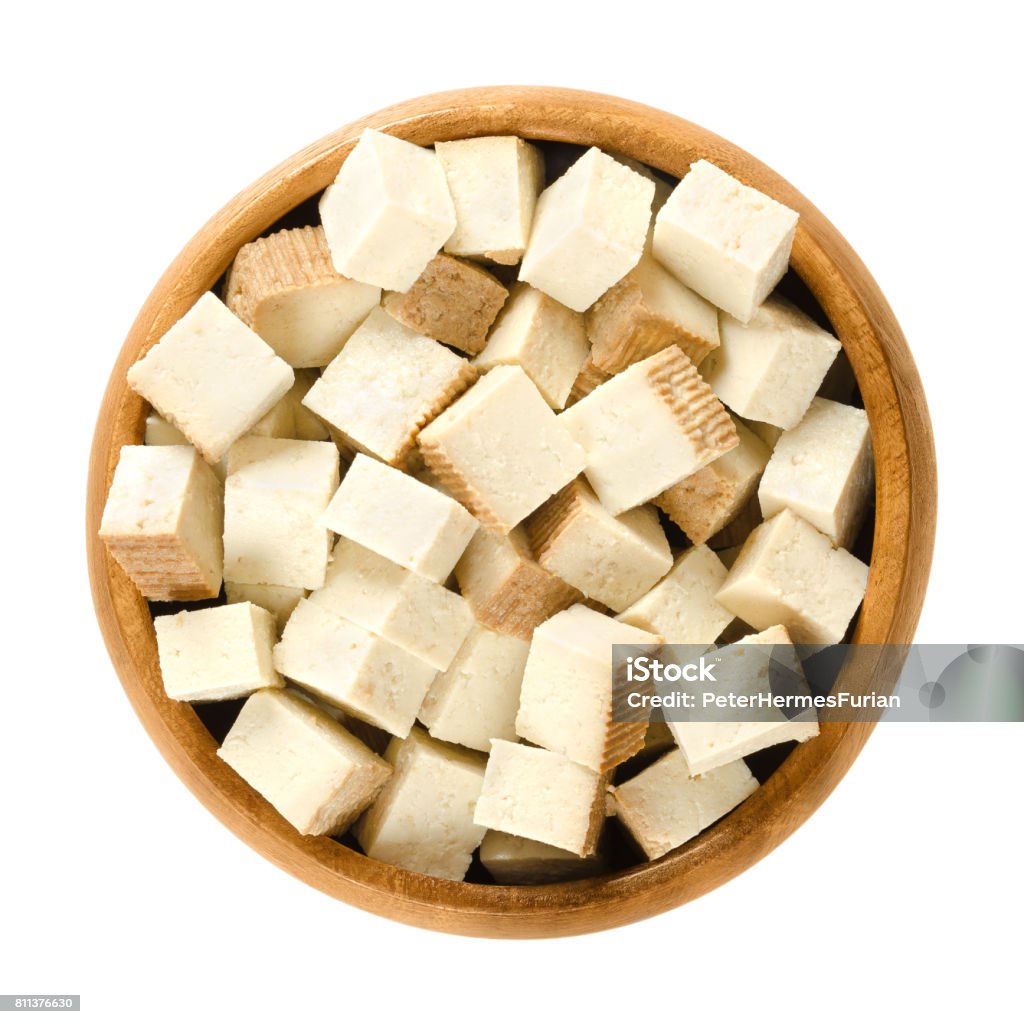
point(770, 368)
point(500, 450)
point(406, 521)
point(316, 775)
point(588, 230)
point(218, 653)
point(663, 807)
point(494, 183)
point(710, 745)
point(279, 601)
point(648, 428)
point(212, 377)
point(566, 700)
point(513, 860)
point(423, 819)
point(388, 212)
point(163, 522)
point(682, 608)
point(452, 301)
point(274, 497)
point(823, 470)
point(385, 385)
point(548, 340)
point(708, 500)
point(541, 795)
point(411, 611)
point(725, 240)
point(789, 574)
point(506, 588)
point(611, 559)
point(353, 669)
point(476, 698)
point(647, 311)
point(286, 289)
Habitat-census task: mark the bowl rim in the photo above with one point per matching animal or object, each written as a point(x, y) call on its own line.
point(903, 537)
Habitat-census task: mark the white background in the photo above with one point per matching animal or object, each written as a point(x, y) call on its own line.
point(126, 128)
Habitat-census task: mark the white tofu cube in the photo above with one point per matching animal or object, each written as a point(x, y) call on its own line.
point(494, 183)
point(588, 231)
point(725, 240)
point(548, 340)
point(217, 653)
point(316, 775)
point(279, 601)
point(513, 860)
point(770, 368)
point(663, 807)
point(387, 382)
point(611, 559)
point(274, 497)
point(541, 795)
point(647, 428)
point(710, 745)
point(353, 669)
point(476, 698)
point(400, 518)
point(706, 502)
point(163, 522)
point(823, 470)
point(212, 377)
point(411, 611)
point(423, 819)
point(388, 212)
point(682, 607)
point(789, 574)
point(500, 450)
point(566, 700)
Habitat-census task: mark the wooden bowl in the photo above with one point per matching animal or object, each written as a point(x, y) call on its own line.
point(902, 545)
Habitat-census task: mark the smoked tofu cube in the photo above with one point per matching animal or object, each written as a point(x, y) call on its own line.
point(388, 212)
point(218, 653)
point(682, 607)
point(316, 774)
point(452, 301)
point(406, 521)
point(566, 702)
point(385, 385)
point(506, 588)
point(512, 860)
point(163, 522)
point(770, 368)
point(476, 698)
point(279, 601)
point(663, 807)
point(548, 340)
point(211, 377)
point(500, 450)
point(789, 574)
point(708, 500)
point(423, 819)
point(286, 289)
point(353, 669)
point(274, 497)
point(588, 231)
point(611, 559)
point(541, 795)
point(823, 470)
point(494, 183)
point(648, 428)
point(725, 240)
point(647, 311)
point(410, 611)
point(710, 745)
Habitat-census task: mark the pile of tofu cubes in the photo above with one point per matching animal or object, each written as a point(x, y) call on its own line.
point(445, 448)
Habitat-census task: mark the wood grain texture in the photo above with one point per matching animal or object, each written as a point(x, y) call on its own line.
point(904, 530)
